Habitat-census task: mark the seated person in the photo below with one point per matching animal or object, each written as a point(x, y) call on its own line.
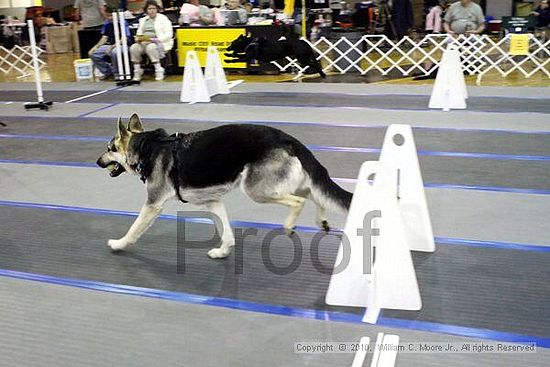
point(154, 37)
point(464, 17)
point(103, 54)
point(233, 13)
point(194, 14)
point(248, 7)
point(433, 16)
point(542, 13)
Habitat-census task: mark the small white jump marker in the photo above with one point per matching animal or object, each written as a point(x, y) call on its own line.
point(193, 88)
point(449, 91)
point(361, 353)
point(387, 356)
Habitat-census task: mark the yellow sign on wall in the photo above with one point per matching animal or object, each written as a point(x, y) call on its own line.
point(198, 39)
point(519, 44)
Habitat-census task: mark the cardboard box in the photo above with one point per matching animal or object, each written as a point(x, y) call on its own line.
point(58, 39)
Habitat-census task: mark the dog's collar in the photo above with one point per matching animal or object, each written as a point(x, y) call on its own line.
point(175, 140)
point(138, 167)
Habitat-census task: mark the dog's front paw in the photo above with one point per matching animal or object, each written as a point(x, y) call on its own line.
point(117, 245)
point(219, 253)
point(289, 231)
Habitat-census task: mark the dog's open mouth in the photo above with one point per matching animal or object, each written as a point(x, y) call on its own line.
point(115, 169)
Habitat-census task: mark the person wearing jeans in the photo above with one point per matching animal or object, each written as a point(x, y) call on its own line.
point(103, 54)
point(153, 38)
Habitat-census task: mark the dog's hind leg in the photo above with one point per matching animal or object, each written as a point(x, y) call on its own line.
point(228, 240)
point(278, 179)
point(295, 204)
point(146, 217)
point(321, 218)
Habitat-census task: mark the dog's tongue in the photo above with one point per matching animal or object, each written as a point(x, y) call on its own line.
point(115, 169)
point(112, 167)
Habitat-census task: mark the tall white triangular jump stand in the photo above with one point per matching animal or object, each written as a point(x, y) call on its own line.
point(381, 279)
point(216, 82)
point(449, 91)
point(399, 150)
point(199, 88)
point(193, 87)
point(380, 272)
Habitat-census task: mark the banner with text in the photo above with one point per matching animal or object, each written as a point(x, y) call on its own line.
point(198, 39)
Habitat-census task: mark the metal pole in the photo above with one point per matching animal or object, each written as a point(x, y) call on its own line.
point(36, 67)
point(304, 19)
point(117, 47)
point(124, 45)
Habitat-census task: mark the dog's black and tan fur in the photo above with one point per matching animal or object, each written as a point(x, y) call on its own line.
point(269, 165)
point(247, 49)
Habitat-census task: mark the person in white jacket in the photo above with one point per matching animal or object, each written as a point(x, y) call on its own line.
point(154, 37)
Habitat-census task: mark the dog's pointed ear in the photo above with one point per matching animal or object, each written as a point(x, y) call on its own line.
point(121, 132)
point(134, 125)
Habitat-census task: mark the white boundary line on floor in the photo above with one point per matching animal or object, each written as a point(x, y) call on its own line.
point(91, 95)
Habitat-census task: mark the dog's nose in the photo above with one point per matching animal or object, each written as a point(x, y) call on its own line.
point(100, 163)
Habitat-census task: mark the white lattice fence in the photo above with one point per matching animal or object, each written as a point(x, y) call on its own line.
point(497, 58)
point(479, 54)
point(19, 58)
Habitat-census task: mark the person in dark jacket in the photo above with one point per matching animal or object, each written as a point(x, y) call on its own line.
point(542, 13)
point(402, 17)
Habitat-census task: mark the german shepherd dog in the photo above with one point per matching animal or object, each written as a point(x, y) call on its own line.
point(246, 49)
point(201, 167)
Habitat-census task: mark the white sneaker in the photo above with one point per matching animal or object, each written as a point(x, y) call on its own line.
point(159, 74)
point(99, 75)
point(138, 73)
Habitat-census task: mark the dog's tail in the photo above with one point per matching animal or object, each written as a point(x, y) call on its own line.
point(321, 72)
point(318, 67)
point(324, 190)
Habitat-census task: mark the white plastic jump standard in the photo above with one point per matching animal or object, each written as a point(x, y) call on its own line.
point(390, 280)
point(399, 151)
point(449, 91)
point(193, 86)
point(36, 66)
point(121, 47)
point(117, 30)
point(124, 43)
point(216, 82)
point(197, 87)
